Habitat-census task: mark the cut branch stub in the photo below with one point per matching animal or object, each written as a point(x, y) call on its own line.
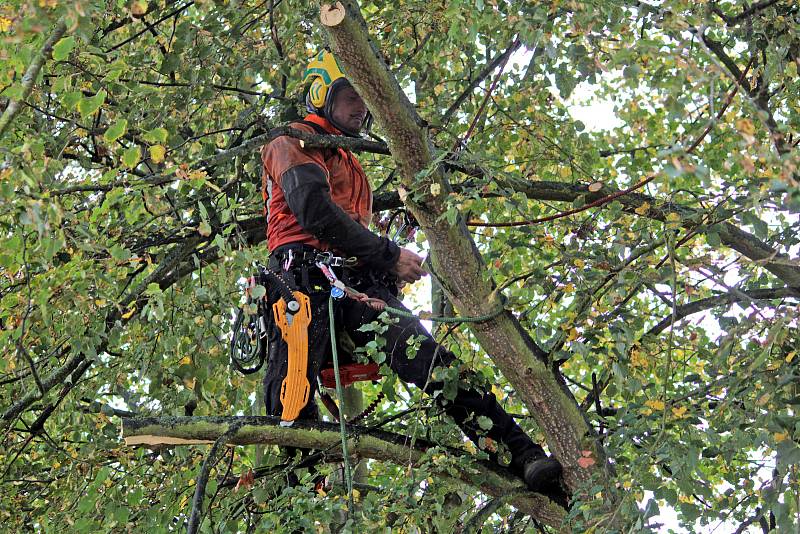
point(332, 14)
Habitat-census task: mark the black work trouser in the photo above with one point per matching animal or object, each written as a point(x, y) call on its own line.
point(465, 408)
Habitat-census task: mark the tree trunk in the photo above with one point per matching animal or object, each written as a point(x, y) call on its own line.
point(454, 255)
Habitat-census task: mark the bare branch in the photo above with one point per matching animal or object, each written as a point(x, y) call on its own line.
point(487, 70)
point(202, 480)
point(149, 26)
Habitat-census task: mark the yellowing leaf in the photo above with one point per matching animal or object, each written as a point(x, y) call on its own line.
point(499, 393)
point(655, 404)
point(89, 104)
point(356, 495)
point(579, 263)
point(679, 412)
point(63, 47)
point(643, 209)
point(139, 8)
point(128, 314)
point(157, 153)
point(790, 356)
point(673, 220)
point(189, 382)
point(436, 189)
point(780, 436)
point(186, 360)
point(573, 334)
point(204, 229)
point(745, 126)
point(638, 359)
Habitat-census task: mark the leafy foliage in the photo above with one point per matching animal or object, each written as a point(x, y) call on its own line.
point(128, 214)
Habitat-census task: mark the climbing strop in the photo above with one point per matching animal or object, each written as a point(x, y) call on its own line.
point(295, 389)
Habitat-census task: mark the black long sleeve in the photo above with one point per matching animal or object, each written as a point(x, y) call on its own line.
point(308, 195)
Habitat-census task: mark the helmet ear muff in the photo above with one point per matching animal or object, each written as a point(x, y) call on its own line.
point(317, 93)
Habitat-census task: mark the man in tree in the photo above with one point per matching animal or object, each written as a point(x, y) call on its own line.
point(319, 204)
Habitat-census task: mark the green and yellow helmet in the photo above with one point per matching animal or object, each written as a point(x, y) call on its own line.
point(326, 77)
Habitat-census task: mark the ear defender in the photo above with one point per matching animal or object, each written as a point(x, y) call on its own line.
point(317, 93)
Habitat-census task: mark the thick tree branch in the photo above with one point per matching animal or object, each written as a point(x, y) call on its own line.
point(363, 443)
point(758, 6)
point(310, 140)
point(697, 306)
point(731, 236)
point(29, 78)
point(56, 377)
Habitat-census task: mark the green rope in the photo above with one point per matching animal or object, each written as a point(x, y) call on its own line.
point(348, 475)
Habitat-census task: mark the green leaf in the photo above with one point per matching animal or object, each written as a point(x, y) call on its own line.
point(63, 47)
point(70, 100)
point(712, 238)
point(131, 156)
point(119, 253)
point(260, 495)
point(484, 422)
point(89, 105)
point(116, 130)
point(258, 291)
point(156, 135)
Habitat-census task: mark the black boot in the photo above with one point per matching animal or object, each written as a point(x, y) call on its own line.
point(542, 474)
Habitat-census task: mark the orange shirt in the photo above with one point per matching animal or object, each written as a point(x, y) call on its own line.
point(350, 189)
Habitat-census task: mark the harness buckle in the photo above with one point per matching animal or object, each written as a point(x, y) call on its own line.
point(328, 258)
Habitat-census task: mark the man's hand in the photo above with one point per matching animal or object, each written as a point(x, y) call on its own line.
point(409, 266)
